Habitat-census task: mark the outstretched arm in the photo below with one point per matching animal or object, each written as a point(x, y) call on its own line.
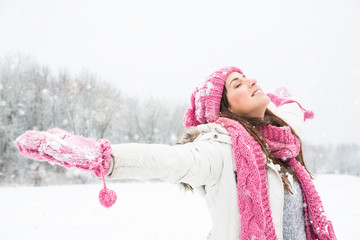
point(196, 163)
point(290, 110)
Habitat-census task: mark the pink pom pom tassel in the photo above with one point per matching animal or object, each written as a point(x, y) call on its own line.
point(107, 197)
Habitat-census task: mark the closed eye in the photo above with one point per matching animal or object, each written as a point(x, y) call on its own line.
point(237, 85)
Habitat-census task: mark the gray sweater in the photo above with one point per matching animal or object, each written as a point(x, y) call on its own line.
point(294, 219)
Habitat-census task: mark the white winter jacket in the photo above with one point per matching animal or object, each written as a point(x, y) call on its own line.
point(208, 165)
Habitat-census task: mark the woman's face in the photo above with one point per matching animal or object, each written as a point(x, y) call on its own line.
point(245, 97)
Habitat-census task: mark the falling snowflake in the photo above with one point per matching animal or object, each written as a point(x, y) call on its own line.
point(173, 137)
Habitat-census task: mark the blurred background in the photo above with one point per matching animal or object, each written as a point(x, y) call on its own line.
point(125, 70)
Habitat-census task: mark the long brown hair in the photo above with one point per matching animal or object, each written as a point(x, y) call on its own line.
point(250, 124)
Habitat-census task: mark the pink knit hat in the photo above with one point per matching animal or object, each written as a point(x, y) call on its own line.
point(206, 99)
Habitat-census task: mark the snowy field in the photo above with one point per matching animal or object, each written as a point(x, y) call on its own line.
point(154, 211)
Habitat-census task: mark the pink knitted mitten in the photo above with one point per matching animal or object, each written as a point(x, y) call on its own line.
point(281, 97)
point(69, 150)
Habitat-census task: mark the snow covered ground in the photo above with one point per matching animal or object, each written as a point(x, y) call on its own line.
point(143, 211)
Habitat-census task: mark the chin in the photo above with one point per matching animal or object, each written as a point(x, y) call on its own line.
point(268, 100)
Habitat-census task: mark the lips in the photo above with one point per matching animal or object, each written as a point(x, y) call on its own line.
point(256, 91)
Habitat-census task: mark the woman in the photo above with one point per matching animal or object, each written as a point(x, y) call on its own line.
point(239, 154)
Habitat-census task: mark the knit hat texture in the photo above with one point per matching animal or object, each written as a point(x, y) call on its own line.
point(205, 100)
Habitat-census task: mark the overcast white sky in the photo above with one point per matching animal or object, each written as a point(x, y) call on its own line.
point(165, 48)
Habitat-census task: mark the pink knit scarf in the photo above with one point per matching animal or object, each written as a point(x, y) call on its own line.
point(253, 198)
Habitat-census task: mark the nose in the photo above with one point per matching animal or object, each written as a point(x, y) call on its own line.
point(252, 82)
